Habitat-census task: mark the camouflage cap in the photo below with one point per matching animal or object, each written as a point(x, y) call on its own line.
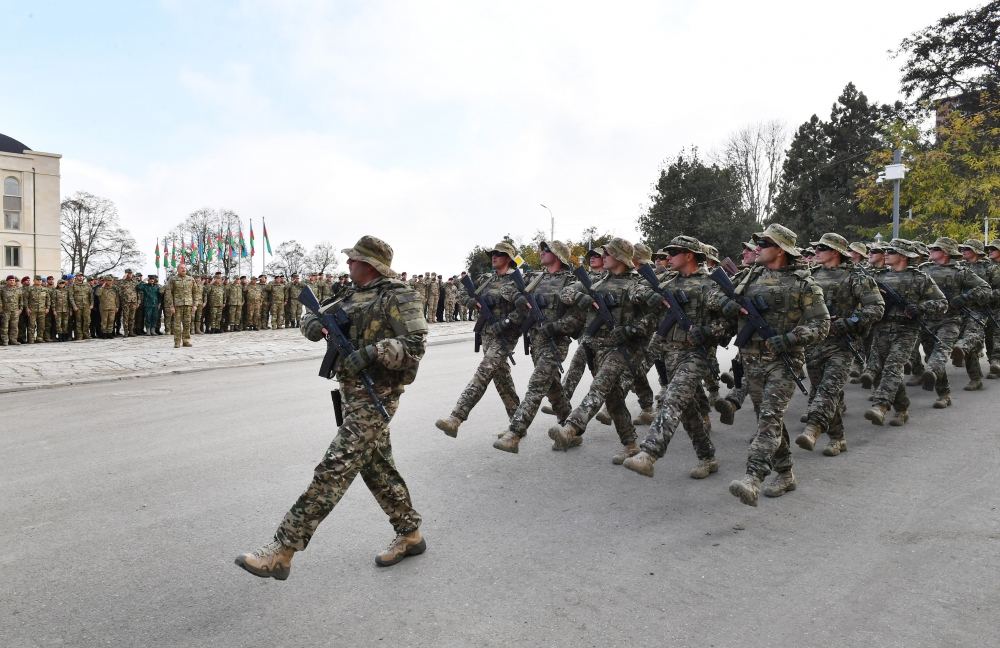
point(904, 247)
point(834, 241)
point(973, 244)
point(373, 251)
point(504, 247)
point(558, 248)
point(948, 245)
point(620, 249)
point(711, 253)
point(689, 243)
point(995, 244)
point(750, 245)
point(641, 253)
point(661, 253)
point(859, 247)
point(783, 237)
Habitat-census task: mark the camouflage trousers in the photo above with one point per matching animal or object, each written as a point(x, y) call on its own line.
point(679, 404)
point(971, 340)
point(62, 322)
point(449, 309)
point(828, 365)
point(712, 376)
point(937, 361)
point(572, 376)
point(214, 317)
point(182, 324)
point(432, 307)
point(492, 368)
point(362, 446)
point(992, 344)
point(607, 388)
point(107, 321)
point(253, 314)
point(771, 388)
point(36, 326)
point(277, 316)
point(128, 318)
point(197, 318)
point(639, 381)
point(168, 322)
point(892, 346)
point(235, 313)
point(544, 383)
point(8, 326)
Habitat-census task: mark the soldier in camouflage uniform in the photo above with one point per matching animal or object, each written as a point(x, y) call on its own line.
point(294, 308)
point(11, 305)
point(198, 310)
point(498, 340)
point(39, 304)
point(992, 333)
point(895, 335)
point(107, 296)
point(964, 290)
point(433, 292)
point(389, 332)
point(915, 365)
point(796, 311)
point(178, 300)
point(265, 301)
point(450, 298)
point(215, 300)
point(614, 352)
point(726, 407)
point(972, 338)
point(854, 304)
point(60, 310)
point(167, 317)
point(549, 337)
point(129, 299)
point(254, 296)
point(419, 286)
point(578, 364)
point(639, 378)
point(234, 305)
point(685, 355)
point(277, 296)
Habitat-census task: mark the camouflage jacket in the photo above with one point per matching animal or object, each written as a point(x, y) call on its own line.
point(39, 298)
point(127, 291)
point(789, 300)
point(850, 295)
point(548, 288)
point(60, 300)
point(215, 295)
point(293, 289)
point(623, 296)
point(108, 297)
point(500, 294)
point(276, 293)
point(198, 293)
point(12, 298)
point(234, 294)
point(989, 272)
point(916, 288)
point(254, 294)
point(955, 281)
point(698, 295)
point(179, 291)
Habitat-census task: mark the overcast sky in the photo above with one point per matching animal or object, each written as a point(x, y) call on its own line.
point(433, 125)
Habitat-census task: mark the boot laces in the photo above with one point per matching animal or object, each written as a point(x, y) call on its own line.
point(272, 548)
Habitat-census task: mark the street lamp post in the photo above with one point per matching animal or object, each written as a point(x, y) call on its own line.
point(552, 223)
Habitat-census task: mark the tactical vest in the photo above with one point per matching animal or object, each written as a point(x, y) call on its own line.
point(495, 292)
point(837, 285)
point(371, 319)
point(693, 294)
point(546, 289)
point(618, 292)
point(947, 277)
point(908, 283)
point(777, 294)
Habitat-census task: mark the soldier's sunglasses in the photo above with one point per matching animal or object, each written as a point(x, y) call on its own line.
point(764, 243)
point(933, 249)
point(822, 248)
point(675, 251)
point(890, 251)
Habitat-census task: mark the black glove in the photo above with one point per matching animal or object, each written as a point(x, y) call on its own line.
point(840, 327)
point(521, 302)
point(960, 301)
point(912, 311)
point(583, 300)
point(655, 300)
point(621, 335)
point(497, 328)
point(697, 335)
point(730, 309)
point(311, 327)
point(548, 329)
point(781, 343)
point(359, 360)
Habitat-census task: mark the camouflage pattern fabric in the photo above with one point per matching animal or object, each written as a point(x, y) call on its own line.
point(575, 371)
point(679, 404)
point(828, 366)
point(254, 297)
point(293, 308)
point(544, 382)
point(937, 362)
point(771, 388)
point(492, 368)
point(277, 295)
point(892, 345)
point(108, 297)
point(81, 299)
point(12, 302)
point(606, 389)
point(40, 303)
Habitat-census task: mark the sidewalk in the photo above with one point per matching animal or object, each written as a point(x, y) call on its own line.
point(56, 364)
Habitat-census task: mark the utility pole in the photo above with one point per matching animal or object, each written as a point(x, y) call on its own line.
point(552, 224)
point(895, 172)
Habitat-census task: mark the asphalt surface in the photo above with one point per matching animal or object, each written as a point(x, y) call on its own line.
point(125, 503)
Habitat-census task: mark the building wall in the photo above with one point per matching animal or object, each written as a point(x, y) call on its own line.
point(38, 237)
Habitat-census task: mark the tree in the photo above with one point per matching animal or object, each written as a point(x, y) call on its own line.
point(91, 237)
point(322, 259)
point(698, 200)
point(478, 262)
point(755, 154)
point(289, 258)
point(214, 229)
point(959, 54)
point(589, 239)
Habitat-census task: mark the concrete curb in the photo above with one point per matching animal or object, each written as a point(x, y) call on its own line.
point(436, 341)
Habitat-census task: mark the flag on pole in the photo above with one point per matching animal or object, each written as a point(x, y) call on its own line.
point(243, 244)
point(201, 248)
point(157, 253)
point(251, 239)
point(218, 244)
point(267, 241)
point(166, 253)
point(183, 248)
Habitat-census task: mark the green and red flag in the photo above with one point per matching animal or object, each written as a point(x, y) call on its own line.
point(267, 241)
point(157, 253)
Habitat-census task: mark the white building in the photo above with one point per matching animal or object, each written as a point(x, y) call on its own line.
point(29, 233)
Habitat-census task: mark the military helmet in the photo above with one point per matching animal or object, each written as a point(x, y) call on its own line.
point(711, 253)
point(783, 237)
point(558, 248)
point(948, 245)
point(620, 249)
point(373, 251)
point(859, 247)
point(834, 241)
point(641, 253)
point(503, 247)
point(689, 243)
point(973, 244)
point(904, 247)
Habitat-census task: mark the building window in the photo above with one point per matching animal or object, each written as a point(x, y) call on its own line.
point(11, 203)
point(12, 256)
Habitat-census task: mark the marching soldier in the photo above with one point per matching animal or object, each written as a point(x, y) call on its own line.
point(973, 335)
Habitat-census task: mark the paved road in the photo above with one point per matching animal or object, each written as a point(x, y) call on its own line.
point(124, 504)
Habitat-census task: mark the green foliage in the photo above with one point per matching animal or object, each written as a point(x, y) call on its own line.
point(478, 262)
point(698, 200)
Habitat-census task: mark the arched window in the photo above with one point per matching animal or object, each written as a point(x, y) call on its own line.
point(11, 203)
point(12, 255)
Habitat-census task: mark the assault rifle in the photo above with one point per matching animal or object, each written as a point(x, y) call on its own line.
point(893, 296)
point(536, 316)
point(334, 321)
point(675, 315)
point(756, 322)
point(486, 315)
point(604, 315)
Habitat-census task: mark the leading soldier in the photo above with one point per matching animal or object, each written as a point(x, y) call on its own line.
point(390, 335)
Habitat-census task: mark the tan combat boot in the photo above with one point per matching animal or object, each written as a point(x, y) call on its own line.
point(916, 380)
point(186, 343)
point(177, 345)
point(928, 380)
point(645, 417)
point(641, 463)
point(876, 414)
point(835, 446)
point(726, 409)
point(403, 545)
point(994, 370)
point(807, 440)
point(957, 357)
point(704, 468)
point(449, 425)
point(273, 560)
point(900, 419)
point(547, 409)
point(713, 395)
point(603, 416)
point(867, 380)
point(747, 489)
point(508, 442)
point(782, 483)
point(975, 384)
point(626, 451)
point(942, 402)
point(564, 437)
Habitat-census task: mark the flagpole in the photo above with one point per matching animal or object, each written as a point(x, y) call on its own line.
point(263, 249)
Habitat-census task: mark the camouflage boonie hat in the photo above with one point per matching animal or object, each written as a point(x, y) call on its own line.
point(750, 245)
point(904, 247)
point(560, 249)
point(995, 244)
point(783, 237)
point(373, 251)
point(689, 243)
point(620, 249)
point(859, 247)
point(641, 253)
point(973, 244)
point(712, 253)
point(834, 241)
point(948, 245)
point(504, 247)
